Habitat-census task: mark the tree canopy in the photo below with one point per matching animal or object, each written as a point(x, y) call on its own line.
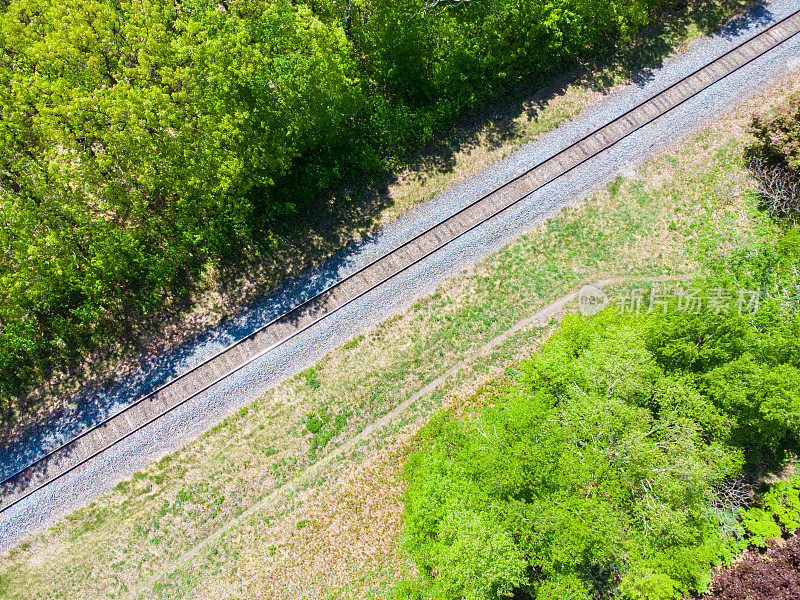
point(600, 473)
point(141, 140)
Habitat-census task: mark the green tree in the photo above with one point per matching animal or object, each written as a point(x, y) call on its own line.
point(594, 466)
point(604, 463)
point(141, 139)
point(131, 135)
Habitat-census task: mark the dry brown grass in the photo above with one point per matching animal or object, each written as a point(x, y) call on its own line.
point(355, 523)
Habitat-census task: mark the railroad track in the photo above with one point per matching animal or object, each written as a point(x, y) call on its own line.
point(74, 455)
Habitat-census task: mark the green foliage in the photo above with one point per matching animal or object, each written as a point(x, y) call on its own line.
point(777, 135)
point(434, 59)
point(131, 138)
point(314, 424)
point(779, 514)
point(354, 342)
point(783, 500)
point(406, 589)
point(598, 473)
point(761, 527)
point(323, 428)
point(310, 375)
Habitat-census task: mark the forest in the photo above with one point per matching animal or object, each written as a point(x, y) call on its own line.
point(143, 140)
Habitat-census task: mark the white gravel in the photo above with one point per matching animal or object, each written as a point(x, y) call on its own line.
point(45, 506)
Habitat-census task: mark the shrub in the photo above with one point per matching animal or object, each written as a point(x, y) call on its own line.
point(775, 576)
point(774, 157)
point(779, 188)
point(777, 134)
point(783, 500)
point(778, 516)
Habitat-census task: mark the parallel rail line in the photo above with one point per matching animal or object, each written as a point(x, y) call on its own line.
point(74, 455)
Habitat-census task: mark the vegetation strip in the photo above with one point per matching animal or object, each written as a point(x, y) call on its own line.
point(548, 312)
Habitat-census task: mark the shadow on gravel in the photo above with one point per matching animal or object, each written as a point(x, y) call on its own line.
point(345, 227)
point(655, 42)
point(637, 61)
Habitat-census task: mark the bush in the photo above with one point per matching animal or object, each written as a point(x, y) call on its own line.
point(594, 472)
point(774, 157)
point(783, 500)
point(775, 576)
point(778, 516)
point(777, 135)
